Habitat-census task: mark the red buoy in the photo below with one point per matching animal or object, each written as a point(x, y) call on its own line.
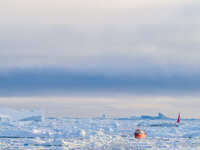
point(140, 134)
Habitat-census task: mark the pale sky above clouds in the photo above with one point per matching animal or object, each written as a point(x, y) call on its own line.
point(131, 46)
point(100, 35)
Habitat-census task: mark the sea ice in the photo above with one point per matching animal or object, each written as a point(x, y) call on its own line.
point(31, 130)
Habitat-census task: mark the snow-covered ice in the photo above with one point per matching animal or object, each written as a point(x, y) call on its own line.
point(31, 130)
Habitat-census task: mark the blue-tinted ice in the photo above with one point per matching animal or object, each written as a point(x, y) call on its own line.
point(37, 132)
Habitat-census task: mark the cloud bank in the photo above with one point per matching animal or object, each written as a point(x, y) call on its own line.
point(146, 46)
point(58, 82)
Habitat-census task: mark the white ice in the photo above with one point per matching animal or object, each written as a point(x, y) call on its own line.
point(31, 130)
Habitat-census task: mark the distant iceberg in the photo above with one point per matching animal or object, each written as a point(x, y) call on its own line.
point(160, 116)
point(33, 118)
point(20, 114)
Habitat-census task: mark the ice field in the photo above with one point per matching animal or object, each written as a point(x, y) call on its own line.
point(30, 130)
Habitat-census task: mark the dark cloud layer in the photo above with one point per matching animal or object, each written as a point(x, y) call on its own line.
point(52, 82)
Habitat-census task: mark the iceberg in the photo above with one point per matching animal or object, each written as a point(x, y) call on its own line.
point(33, 118)
point(160, 116)
point(18, 114)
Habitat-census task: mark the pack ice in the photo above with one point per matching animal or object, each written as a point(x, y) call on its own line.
point(30, 129)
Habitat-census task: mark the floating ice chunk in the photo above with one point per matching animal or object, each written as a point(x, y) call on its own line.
point(37, 131)
point(33, 118)
point(83, 133)
point(16, 133)
point(160, 116)
point(4, 118)
point(17, 114)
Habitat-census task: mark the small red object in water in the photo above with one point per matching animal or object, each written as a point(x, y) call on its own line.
point(140, 134)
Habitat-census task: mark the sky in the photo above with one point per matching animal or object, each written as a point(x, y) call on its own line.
point(120, 57)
